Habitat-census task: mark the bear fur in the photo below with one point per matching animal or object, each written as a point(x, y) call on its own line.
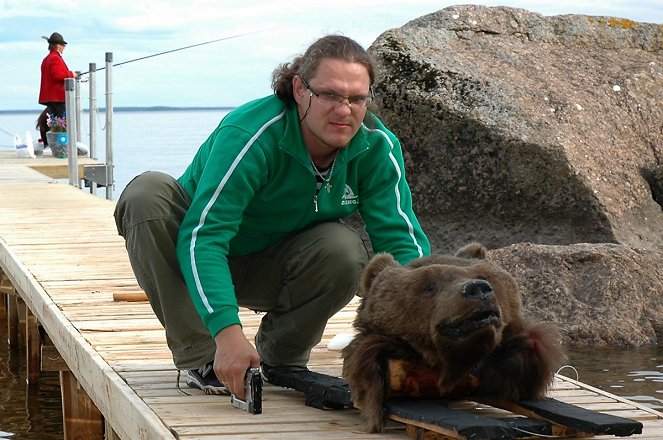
point(457, 317)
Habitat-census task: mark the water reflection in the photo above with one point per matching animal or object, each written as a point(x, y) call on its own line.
point(634, 373)
point(26, 412)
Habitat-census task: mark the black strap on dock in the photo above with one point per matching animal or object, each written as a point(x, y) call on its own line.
point(467, 425)
point(582, 419)
point(321, 390)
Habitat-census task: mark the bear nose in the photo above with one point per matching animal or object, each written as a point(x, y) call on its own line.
point(477, 289)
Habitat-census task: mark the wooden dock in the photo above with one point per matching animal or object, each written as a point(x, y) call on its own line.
point(64, 262)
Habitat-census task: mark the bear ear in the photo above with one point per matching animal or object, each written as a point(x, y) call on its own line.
point(472, 250)
point(377, 264)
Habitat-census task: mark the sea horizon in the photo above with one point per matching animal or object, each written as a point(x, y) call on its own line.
point(156, 108)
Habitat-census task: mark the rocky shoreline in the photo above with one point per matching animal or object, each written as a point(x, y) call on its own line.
point(542, 138)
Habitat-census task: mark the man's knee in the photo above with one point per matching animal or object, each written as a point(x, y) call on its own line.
point(342, 252)
point(150, 195)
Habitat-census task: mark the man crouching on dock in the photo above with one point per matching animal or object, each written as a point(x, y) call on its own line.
point(256, 220)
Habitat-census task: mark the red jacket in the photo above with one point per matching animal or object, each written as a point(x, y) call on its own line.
point(53, 73)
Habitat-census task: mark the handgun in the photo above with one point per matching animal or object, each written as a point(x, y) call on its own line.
point(252, 393)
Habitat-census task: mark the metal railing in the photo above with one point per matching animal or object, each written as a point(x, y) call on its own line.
point(95, 174)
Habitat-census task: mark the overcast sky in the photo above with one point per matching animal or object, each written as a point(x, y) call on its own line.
point(224, 73)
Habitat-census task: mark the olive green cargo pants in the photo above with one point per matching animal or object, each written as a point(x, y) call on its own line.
point(299, 282)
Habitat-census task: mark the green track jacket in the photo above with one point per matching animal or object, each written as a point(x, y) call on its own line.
point(252, 183)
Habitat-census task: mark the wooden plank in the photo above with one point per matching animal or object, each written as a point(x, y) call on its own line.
point(23, 174)
point(436, 416)
point(45, 166)
point(588, 388)
point(130, 297)
point(575, 417)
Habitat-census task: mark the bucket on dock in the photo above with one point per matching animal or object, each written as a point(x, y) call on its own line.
point(39, 147)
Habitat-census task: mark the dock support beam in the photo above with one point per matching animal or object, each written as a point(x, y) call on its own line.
point(32, 348)
point(12, 321)
point(10, 300)
point(82, 419)
point(23, 332)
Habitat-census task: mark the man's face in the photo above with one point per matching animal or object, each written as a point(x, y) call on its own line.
point(330, 125)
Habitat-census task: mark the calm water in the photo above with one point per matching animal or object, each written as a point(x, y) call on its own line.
point(142, 140)
point(634, 373)
point(166, 141)
point(30, 413)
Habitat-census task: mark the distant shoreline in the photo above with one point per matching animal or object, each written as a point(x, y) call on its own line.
point(129, 109)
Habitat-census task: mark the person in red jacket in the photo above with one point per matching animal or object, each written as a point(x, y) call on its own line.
point(53, 73)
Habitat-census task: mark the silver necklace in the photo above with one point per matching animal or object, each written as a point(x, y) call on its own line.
point(326, 180)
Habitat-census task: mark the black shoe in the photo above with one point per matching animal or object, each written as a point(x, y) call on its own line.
point(205, 379)
point(275, 375)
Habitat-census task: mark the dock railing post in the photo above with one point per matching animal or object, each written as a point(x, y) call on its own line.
point(72, 148)
point(93, 110)
point(93, 119)
point(78, 109)
point(109, 126)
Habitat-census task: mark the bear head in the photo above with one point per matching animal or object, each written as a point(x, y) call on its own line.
point(452, 310)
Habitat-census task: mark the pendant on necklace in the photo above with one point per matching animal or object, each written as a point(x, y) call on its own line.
point(328, 186)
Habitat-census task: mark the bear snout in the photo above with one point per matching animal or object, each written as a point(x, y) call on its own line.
point(479, 290)
point(480, 317)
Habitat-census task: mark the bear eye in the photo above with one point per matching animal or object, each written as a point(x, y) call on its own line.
point(431, 288)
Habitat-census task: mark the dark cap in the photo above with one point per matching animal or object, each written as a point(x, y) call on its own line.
point(56, 38)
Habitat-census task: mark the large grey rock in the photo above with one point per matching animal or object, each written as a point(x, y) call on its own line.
point(534, 134)
point(601, 294)
point(523, 128)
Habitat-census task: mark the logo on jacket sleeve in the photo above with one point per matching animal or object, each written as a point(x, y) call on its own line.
point(349, 197)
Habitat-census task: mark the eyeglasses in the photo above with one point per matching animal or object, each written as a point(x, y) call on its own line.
point(331, 98)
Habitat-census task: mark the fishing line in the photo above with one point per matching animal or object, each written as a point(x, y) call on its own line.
point(5, 131)
point(181, 48)
point(163, 53)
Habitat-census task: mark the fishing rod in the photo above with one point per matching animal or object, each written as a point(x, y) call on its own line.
point(169, 51)
point(181, 48)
